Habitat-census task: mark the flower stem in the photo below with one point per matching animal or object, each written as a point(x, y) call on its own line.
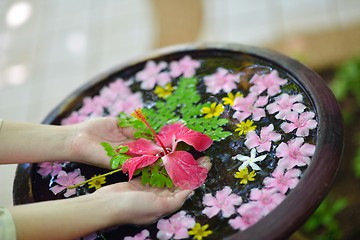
point(94, 178)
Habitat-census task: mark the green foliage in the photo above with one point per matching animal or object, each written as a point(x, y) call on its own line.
point(156, 176)
point(117, 154)
point(324, 219)
point(184, 105)
point(347, 80)
point(141, 130)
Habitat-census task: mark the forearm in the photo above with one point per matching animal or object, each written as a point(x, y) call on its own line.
point(62, 219)
point(26, 142)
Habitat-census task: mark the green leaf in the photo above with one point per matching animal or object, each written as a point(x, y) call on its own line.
point(115, 162)
point(122, 149)
point(108, 148)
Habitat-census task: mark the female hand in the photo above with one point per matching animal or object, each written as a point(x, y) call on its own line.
point(85, 144)
point(135, 203)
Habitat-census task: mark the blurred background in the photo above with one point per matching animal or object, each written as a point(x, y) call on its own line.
point(50, 48)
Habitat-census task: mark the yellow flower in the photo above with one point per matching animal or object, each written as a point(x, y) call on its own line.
point(229, 100)
point(200, 231)
point(245, 176)
point(244, 127)
point(97, 181)
point(164, 92)
point(213, 111)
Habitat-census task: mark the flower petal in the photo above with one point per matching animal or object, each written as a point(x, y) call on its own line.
point(185, 172)
point(142, 147)
point(181, 133)
point(132, 164)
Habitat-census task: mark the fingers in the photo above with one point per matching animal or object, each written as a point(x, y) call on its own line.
point(205, 162)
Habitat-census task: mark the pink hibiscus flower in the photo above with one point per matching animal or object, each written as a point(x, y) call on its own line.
point(268, 199)
point(250, 213)
point(52, 168)
point(221, 80)
point(143, 235)
point(283, 181)
point(262, 142)
point(285, 104)
point(250, 105)
point(152, 74)
point(181, 166)
point(302, 122)
point(66, 180)
point(223, 201)
point(176, 226)
point(294, 153)
point(186, 66)
point(270, 82)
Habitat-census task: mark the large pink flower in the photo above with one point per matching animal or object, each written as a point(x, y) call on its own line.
point(177, 226)
point(223, 201)
point(250, 105)
point(181, 166)
point(262, 142)
point(294, 153)
point(302, 122)
point(270, 82)
point(186, 66)
point(221, 80)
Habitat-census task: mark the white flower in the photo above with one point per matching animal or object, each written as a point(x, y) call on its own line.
point(250, 160)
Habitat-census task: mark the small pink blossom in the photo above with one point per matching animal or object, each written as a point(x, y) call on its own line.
point(270, 82)
point(268, 199)
point(221, 80)
point(285, 104)
point(294, 153)
point(250, 105)
point(66, 180)
point(283, 181)
point(143, 235)
point(262, 143)
point(223, 201)
point(302, 122)
point(126, 105)
point(152, 74)
point(118, 89)
point(250, 213)
point(176, 226)
point(186, 66)
point(94, 106)
point(75, 117)
point(52, 168)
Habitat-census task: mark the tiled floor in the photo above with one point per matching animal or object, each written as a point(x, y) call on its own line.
point(62, 44)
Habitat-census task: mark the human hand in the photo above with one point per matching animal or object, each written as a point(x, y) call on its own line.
point(134, 203)
point(85, 145)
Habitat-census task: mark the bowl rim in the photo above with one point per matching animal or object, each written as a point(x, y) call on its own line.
point(305, 197)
